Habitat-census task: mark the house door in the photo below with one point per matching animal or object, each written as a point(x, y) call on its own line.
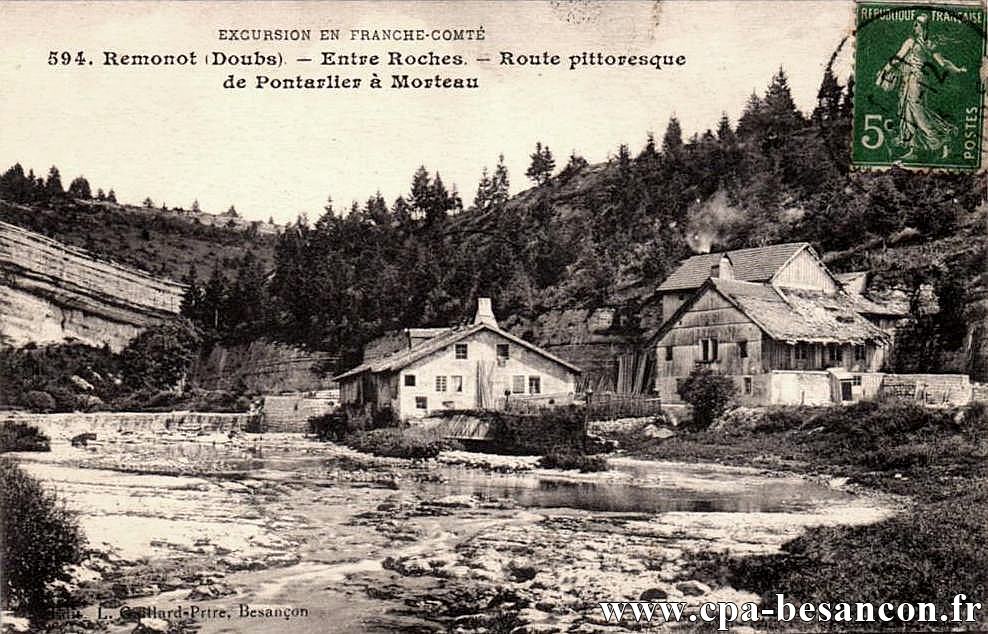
point(845, 390)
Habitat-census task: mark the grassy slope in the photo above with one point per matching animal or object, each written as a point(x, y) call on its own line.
point(937, 547)
point(170, 246)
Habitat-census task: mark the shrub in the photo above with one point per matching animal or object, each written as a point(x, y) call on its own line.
point(330, 426)
point(39, 538)
point(358, 418)
point(395, 442)
point(39, 401)
point(550, 429)
point(708, 393)
point(22, 437)
point(573, 461)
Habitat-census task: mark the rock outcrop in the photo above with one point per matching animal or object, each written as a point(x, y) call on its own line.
point(51, 292)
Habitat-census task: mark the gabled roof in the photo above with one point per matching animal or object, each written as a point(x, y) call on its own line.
point(790, 315)
point(395, 362)
point(757, 264)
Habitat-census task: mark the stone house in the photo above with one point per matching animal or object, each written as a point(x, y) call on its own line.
point(419, 371)
point(776, 321)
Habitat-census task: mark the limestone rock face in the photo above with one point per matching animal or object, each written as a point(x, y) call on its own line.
point(51, 292)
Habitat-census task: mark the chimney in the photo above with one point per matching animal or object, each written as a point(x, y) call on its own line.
point(723, 269)
point(485, 312)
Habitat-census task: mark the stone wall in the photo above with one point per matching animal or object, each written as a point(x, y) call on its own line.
point(51, 292)
point(933, 389)
point(263, 367)
point(291, 412)
point(62, 426)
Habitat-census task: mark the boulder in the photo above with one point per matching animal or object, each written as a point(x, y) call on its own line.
point(653, 594)
point(693, 588)
point(148, 624)
point(456, 501)
point(651, 431)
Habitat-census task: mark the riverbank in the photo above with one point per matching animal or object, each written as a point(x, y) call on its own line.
point(934, 548)
point(371, 544)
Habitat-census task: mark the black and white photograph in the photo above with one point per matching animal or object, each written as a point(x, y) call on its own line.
point(503, 317)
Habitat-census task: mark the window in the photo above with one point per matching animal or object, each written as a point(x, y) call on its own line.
point(534, 385)
point(802, 351)
point(747, 385)
point(708, 350)
point(457, 383)
point(859, 353)
point(440, 383)
point(668, 353)
point(856, 379)
point(502, 351)
point(835, 353)
point(409, 380)
point(743, 350)
point(460, 350)
point(421, 402)
point(518, 384)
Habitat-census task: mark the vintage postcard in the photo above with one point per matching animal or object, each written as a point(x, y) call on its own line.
point(557, 316)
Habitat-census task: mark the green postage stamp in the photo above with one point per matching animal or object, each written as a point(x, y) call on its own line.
point(918, 85)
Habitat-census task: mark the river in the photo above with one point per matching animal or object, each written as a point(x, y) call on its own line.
point(284, 534)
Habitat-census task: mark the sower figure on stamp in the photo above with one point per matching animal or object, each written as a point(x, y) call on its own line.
point(920, 128)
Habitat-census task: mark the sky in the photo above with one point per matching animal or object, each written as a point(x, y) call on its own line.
point(176, 135)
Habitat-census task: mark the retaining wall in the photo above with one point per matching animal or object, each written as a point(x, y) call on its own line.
point(70, 424)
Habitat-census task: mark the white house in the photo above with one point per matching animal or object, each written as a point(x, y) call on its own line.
point(477, 366)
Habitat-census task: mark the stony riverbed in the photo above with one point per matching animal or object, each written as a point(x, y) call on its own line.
point(282, 533)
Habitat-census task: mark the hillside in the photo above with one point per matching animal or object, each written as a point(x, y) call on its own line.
point(163, 243)
point(573, 262)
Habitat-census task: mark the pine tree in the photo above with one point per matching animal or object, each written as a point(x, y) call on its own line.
point(53, 186)
point(17, 186)
point(195, 206)
point(100, 195)
point(111, 196)
point(649, 152)
point(672, 140)
point(232, 212)
point(148, 202)
point(485, 192)
point(751, 117)
point(421, 195)
point(781, 113)
point(828, 98)
point(79, 188)
point(624, 160)
point(542, 165)
point(725, 134)
point(500, 183)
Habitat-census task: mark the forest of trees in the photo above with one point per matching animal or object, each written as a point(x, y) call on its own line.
point(18, 187)
point(583, 232)
point(422, 260)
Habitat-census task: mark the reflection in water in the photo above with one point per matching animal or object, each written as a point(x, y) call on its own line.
point(665, 492)
point(621, 497)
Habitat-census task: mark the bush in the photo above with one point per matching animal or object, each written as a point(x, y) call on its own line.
point(708, 393)
point(927, 553)
point(573, 461)
point(394, 442)
point(39, 538)
point(22, 437)
point(39, 401)
point(330, 426)
point(551, 429)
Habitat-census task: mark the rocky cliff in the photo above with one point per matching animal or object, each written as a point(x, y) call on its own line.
point(51, 292)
